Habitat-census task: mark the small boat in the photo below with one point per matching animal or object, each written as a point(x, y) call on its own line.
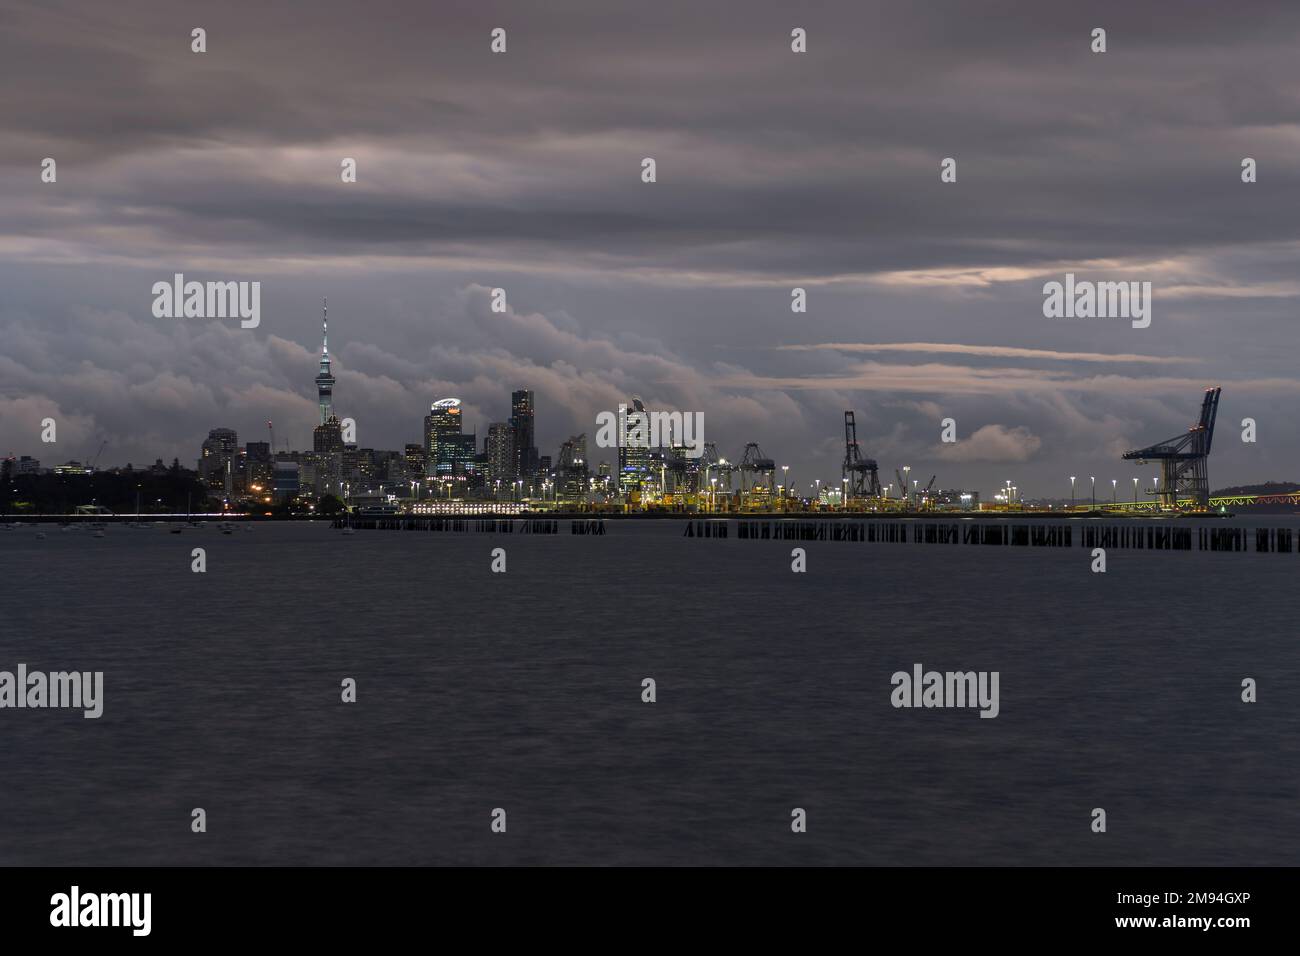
point(227, 530)
point(100, 533)
point(40, 535)
point(349, 530)
point(176, 530)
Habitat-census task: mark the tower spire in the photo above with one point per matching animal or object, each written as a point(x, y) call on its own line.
point(325, 378)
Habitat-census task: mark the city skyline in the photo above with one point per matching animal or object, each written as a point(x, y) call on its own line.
point(812, 171)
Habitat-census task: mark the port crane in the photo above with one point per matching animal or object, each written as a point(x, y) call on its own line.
point(1184, 459)
point(756, 469)
point(861, 475)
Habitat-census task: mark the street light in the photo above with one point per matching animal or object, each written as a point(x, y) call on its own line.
point(1113, 483)
point(1093, 479)
point(907, 471)
point(1135, 491)
point(1072, 491)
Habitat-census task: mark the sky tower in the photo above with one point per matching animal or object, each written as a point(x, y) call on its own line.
point(325, 378)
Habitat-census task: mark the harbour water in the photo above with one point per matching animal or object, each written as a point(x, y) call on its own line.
point(523, 691)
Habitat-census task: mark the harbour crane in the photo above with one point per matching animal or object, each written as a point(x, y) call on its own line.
point(861, 475)
point(1184, 458)
point(756, 469)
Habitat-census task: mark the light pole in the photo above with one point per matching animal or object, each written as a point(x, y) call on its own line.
point(785, 480)
point(1072, 491)
point(907, 473)
point(1093, 479)
point(1135, 491)
point(1113, 484)
point(713, 494)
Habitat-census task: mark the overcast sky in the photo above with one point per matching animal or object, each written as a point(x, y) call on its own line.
point(775, 169)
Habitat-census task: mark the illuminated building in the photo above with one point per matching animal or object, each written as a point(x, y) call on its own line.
point(522, 423)
point(502, 462)
point(636, 463)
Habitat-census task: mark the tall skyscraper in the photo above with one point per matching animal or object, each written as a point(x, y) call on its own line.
point(217, 459)
point(502, 462)
point(443, 439)
point(522, 423)
point(327, 448)
point(635, 458)
point(325, 378)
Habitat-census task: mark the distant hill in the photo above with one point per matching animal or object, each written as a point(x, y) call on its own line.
point(1267, 488)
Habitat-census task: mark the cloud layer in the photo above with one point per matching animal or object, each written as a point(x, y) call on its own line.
point(775, 170)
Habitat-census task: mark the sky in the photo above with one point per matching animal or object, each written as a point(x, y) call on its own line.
point(774, 170)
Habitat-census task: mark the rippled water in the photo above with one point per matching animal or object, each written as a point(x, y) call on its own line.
point(523, 691)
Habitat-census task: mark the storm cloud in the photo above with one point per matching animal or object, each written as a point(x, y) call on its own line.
point(774, 170)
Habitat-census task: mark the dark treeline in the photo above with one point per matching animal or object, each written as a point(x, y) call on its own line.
point(164, 492)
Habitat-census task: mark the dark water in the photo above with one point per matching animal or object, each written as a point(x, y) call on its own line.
point(523, 691)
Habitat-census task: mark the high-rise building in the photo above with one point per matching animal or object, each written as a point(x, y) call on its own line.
point(327, 452)
point(217, 459)
point(636, 464)
point(414, 455)
point(462, 452)
point(442, 438)
point(574, 470)
point(286, 479)
point(522, 422)
point(502, 461)
point(325, 378)
point(257, 466)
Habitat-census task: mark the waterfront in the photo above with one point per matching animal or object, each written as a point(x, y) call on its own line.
point(523, 690)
